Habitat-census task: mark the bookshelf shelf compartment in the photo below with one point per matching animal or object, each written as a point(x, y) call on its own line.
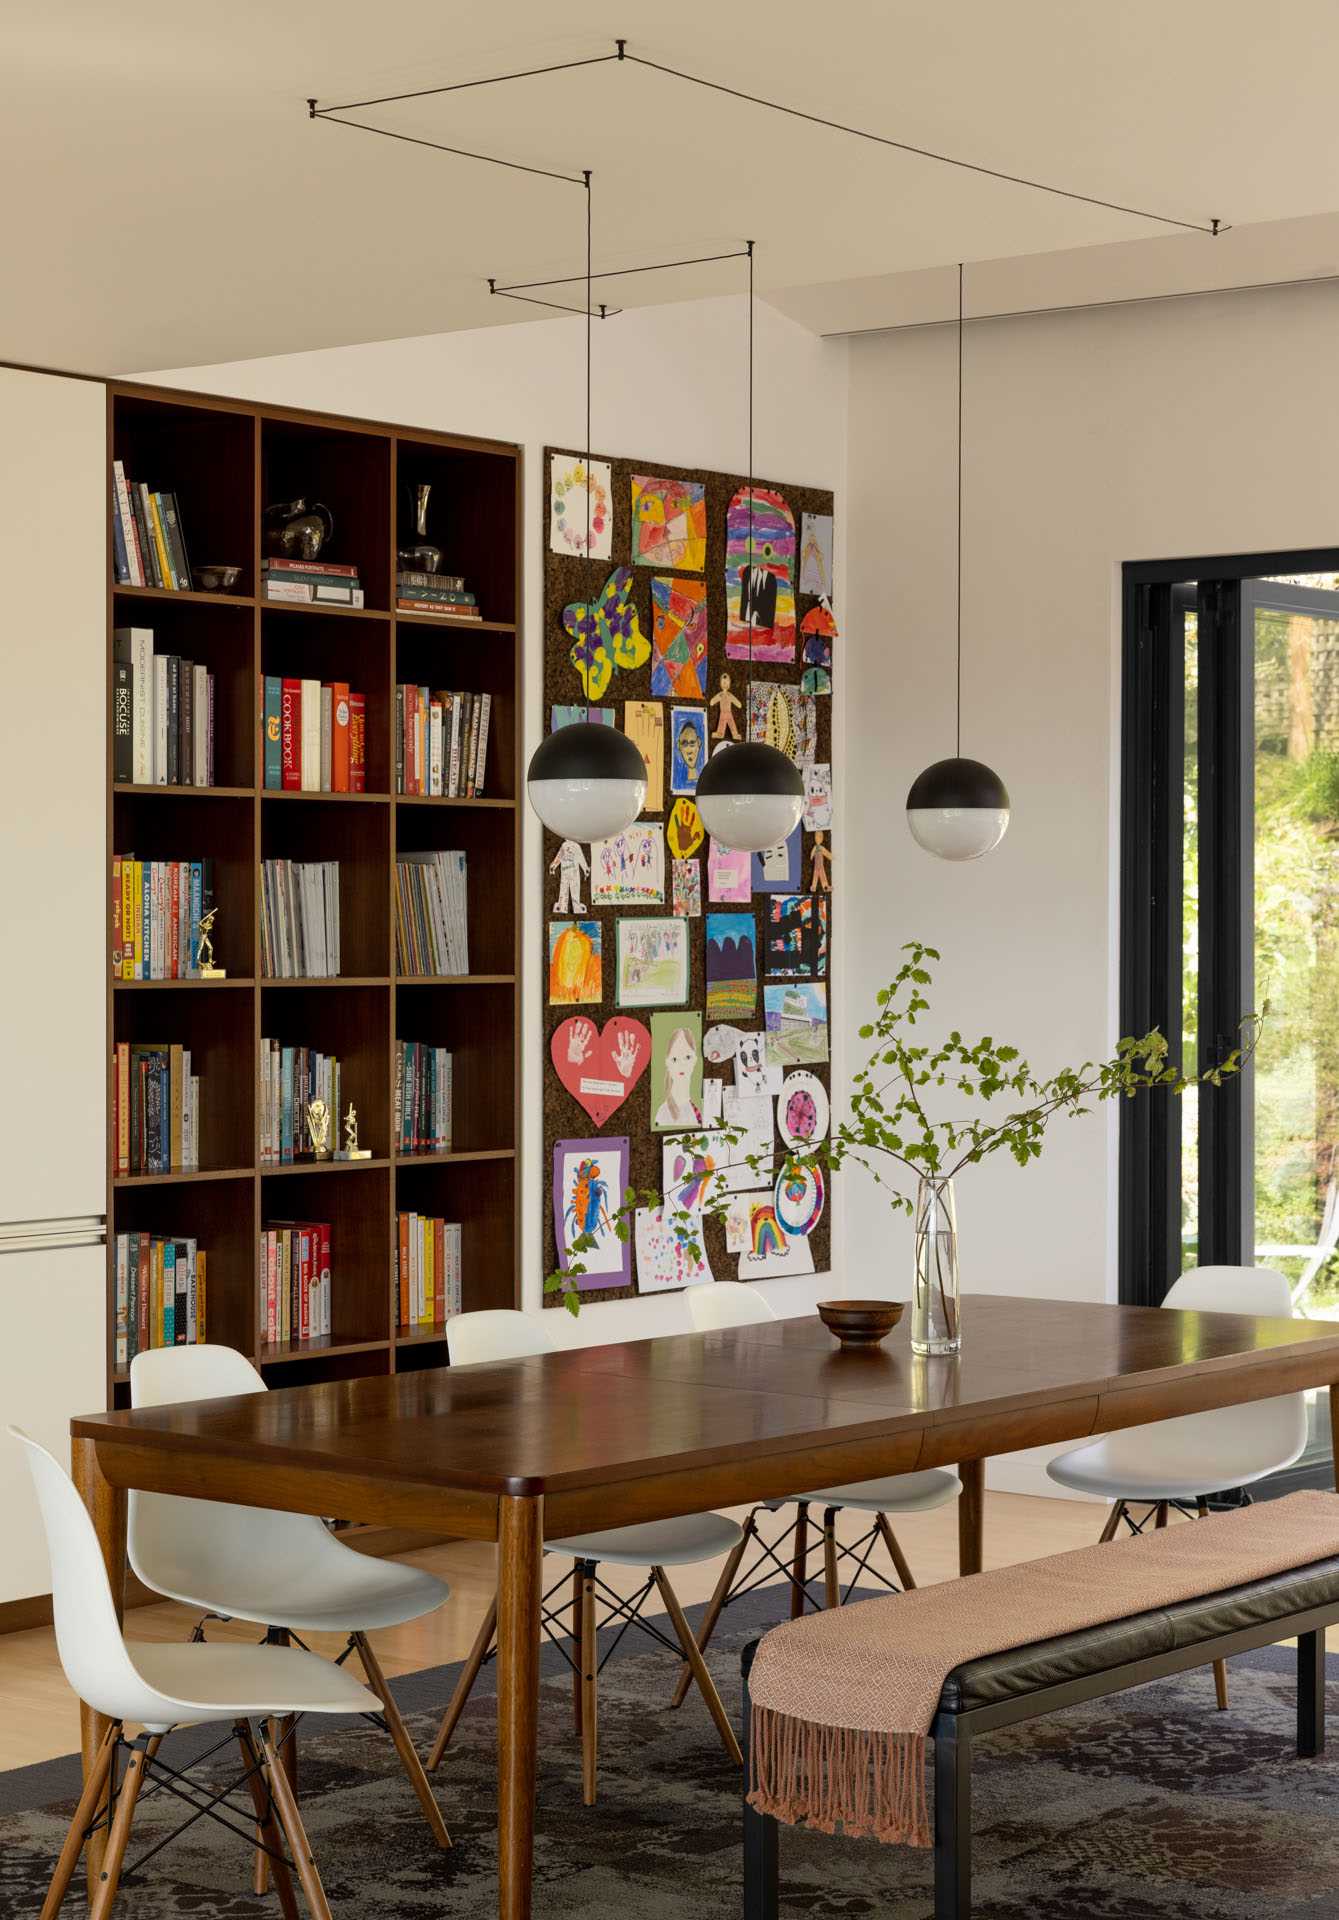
point(225, 461)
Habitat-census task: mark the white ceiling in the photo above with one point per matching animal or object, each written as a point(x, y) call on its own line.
point(169, 203)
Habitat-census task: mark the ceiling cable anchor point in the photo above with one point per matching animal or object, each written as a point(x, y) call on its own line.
point(311, 109)
point(622, 46)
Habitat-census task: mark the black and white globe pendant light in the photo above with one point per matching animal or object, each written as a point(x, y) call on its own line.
point(958, 809)
point(750, 795)
point(586, 781)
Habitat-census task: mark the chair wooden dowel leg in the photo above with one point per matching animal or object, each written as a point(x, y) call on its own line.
point(576, 1647)
point(109, 1875)
point(89, 1801)
point(286, 1805)
point(404, 1746)
point(266, 1825)
point(800, 1563)
point(706, 1685)
point(589, 1662)
point(831, 1587)
point(718, 1600)
point(464, 1686)
point(1113, 1522)
point(1311, 1694)
point(1219, 1666)
point(896, 1555)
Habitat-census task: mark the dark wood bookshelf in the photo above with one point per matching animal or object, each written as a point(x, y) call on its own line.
point(226, 460)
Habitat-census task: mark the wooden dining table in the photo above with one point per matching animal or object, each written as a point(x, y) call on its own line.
point(592, 1437)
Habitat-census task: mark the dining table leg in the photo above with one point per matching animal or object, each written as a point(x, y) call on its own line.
point(520, 1553)
point(107, 1506)
point(971, 1514)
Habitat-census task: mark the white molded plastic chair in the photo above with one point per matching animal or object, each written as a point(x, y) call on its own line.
point(162, 1687)
point(736, 1303)
point(1317, 1255)
point(505, 1334)
point(286, 1572)
point(1179, 1462)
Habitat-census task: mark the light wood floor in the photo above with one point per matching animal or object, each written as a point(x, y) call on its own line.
point(39, 1718)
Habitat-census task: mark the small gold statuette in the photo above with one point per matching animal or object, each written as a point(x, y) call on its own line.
point(208, 971)
point(352, 1151)
point(318, 1128)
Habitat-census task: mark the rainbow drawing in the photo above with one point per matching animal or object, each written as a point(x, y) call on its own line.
point(765, 1233)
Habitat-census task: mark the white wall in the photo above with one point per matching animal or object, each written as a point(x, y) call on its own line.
point(669, 386)
point(1201, 426)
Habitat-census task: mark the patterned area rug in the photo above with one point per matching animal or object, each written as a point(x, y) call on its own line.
point(1147, 1807)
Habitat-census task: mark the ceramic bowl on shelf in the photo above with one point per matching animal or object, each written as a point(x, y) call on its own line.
point(217, 579)
point(860, 1323)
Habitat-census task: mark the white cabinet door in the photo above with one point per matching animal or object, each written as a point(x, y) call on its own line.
point(54, 879)
point(52, 1367)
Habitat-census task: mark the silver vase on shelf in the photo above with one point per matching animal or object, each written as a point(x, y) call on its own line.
point(936, 1309)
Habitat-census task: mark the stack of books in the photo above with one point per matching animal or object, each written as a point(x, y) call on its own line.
point(299, 935)
point(427, 1271)
point(290, 1078)
point(155, 1109)
point(147, 540)
point(162, 715)
point(422, 1098)
point(313, 583)
point(431, 913)
point(157, 906)
point(160, 1294)
point(440, 593)
point(441, 742)
point(315, 736)
point(295, 1281)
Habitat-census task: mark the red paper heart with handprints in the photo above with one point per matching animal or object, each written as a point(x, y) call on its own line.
point(598, 1069)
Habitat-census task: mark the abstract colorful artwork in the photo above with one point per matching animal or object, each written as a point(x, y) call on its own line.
point(600, 1069)
point(799, 1197)
point(685, 829)
point(815, 680)
point(572, 716)
point(759, 569)
point(629, 869)
point(817, 795)
point(589, 1181)
point(669, 523)
point(688, 747)
point(575, 963)
point(606, 633)
point(731, 967)
point(729, 875)
point(644, 724)
point(669, 1254)
point(816, 553)
point(818, 630)
point(778, 869)
point(679, 638)
point(796, 1016)
point(802, 1110)
point(795, 938)
point(652, 962)
point(783, 717)
point(676, 1071)
point(581, 510)
point(686, 888)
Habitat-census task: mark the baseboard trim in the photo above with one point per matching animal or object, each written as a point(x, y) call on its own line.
point(18, 1616)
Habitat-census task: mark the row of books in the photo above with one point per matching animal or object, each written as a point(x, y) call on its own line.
point(155, 1109)
point(422, 1098)
point(299, 931)
point(147, 540)
point(431, 913)
point(157, 906)
point(441, 742)
point(160, 1293)
point(320, 583)
point(427, 1271)
point(290, 1079)
point(162, 715)
point(442, 593)
point(295, 1280)
point(315, 736)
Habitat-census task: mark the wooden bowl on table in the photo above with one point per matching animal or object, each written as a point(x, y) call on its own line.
point(860, 1323)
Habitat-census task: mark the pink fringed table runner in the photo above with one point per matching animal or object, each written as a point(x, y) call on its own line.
point(843, 1700)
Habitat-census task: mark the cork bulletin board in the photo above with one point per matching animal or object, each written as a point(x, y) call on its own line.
point(643, 615)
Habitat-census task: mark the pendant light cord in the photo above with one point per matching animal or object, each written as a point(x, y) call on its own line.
point(590, 478)
point(748, 703)
point(959, 556)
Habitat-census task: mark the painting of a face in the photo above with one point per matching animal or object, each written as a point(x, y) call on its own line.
point(689, 749)
point(688, 743)
point(676, 1070)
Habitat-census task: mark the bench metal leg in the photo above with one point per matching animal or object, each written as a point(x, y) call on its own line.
point(761, 1890)
point(1311, 1694)
point(953, 1821)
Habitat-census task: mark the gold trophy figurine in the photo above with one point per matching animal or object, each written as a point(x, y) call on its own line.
point(208, 971)
point(318, 1128)
point(352, 1151)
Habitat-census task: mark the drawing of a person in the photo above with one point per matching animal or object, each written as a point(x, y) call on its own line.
point(728, 706)
point(688, 744)
point(677, 1108)
point(569, 863)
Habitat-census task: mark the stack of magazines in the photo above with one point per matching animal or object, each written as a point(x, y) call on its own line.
point(431, 913)
point(300, 923)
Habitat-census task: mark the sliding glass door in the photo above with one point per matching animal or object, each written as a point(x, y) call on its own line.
point(1230, 907)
